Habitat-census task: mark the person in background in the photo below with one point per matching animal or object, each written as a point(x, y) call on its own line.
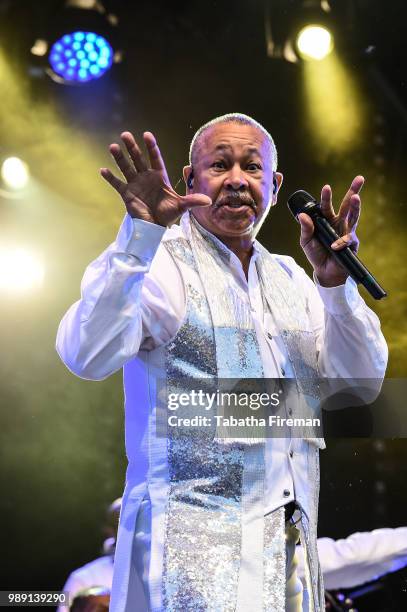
point(95, 599)
point(99, 572)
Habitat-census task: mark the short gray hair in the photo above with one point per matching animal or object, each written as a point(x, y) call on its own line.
point(232, 118)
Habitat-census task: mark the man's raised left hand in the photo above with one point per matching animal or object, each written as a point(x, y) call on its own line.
point(328, 271)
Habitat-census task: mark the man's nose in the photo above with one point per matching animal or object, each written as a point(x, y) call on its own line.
point(236, 180)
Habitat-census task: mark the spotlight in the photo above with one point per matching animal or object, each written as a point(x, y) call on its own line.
point(14, 173)
point(298, 30)
point(314, 42)
point(19, 270)
point(78, 43)
point(81, 56)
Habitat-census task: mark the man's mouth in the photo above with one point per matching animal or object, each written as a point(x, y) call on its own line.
point(236, 205)
point(235, 202)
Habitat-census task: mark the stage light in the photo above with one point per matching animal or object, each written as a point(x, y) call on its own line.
point(81, 56)
point(78, 44)
point(300, 31)
point(314, 42)
point(14, 173)
point(20, 270)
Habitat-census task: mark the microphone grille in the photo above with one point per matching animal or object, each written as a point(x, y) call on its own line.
point(298, 200)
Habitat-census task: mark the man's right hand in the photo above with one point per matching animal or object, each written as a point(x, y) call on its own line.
point(147, 192)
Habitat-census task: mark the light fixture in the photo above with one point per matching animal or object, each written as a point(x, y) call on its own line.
point(81, 56)
point(15, 173)
point(298, 29)
point(314, 42)
point(78, 44)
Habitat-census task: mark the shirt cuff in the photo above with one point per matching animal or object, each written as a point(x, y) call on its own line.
point(341, 300)
point(139, 238)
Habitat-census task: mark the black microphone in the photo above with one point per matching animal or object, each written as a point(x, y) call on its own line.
point(301, 201)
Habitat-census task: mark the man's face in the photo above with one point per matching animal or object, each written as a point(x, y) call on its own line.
point(233, 167)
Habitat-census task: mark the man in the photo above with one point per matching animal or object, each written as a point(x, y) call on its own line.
point(203, 524)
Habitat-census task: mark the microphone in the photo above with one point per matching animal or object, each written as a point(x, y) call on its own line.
point(301, 201)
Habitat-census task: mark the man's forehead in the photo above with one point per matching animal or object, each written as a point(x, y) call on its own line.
point(228, 136)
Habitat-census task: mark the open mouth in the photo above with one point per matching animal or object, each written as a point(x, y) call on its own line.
point(235, 203)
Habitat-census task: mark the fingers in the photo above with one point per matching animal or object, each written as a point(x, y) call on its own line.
point(154, 153)
point(326, 202)
point(134, 151)
point(348, 240)
point(194, 200)
point(128, 169)
point(122, 162)
point(139, 164)
point(354, 188)
point(354, 212)
point(307, 228)
point(116, 183)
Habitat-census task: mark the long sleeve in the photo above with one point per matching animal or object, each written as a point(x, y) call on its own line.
point(359, 558)
point(123, 306)
point(349, 340)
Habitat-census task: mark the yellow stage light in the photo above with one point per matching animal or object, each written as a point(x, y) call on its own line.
point(314, 42)
point(14, 173)
point(19, 270)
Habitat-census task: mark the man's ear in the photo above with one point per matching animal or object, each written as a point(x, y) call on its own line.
point(277, 181)
point(186, 172)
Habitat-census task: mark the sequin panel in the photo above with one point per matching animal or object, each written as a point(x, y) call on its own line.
point(202, 552)
point(202, 544)
point(302, 351)
point(180, 249)
point(274, 561)
point(286, 303)
point(313, 574)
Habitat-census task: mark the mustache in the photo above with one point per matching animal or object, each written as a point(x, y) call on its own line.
point(235, 198)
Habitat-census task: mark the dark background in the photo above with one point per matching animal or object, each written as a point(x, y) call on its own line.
point(61, 438)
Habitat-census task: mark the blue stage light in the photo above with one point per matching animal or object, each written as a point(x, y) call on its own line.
point(94, 56)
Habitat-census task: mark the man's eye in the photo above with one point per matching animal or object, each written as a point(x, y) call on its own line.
point(218, 165)
point(253, 166)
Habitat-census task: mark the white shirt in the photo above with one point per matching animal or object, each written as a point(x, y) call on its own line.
point(97, 573)
point(360, 558)
point(133, 299)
